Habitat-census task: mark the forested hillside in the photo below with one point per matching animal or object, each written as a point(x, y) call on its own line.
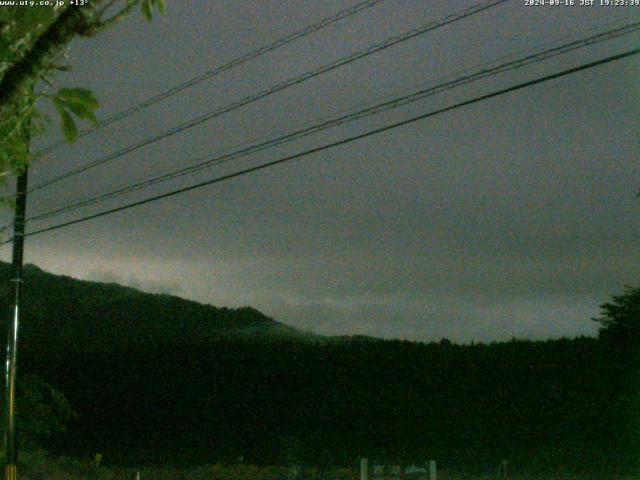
point(156, 379)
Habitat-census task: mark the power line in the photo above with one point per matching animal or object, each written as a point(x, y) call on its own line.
point(463, 72)
point(281, 42)
point(277, 88)
point(381, 107)
point(338, 143)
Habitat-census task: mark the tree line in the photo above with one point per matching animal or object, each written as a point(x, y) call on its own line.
point(152, 381)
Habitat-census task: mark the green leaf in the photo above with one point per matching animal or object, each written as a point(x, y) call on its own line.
point(58, 104)
point(79, 101)
point(78, 95)
point(69, 127)
point(146, 9)
point(6, 15)
point(81, 111)
point(162, 6)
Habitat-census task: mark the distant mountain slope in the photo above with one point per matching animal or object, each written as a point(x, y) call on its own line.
point(91, 315)
point(159, 379)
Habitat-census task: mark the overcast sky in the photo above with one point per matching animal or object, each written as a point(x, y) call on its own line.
point(516, 216)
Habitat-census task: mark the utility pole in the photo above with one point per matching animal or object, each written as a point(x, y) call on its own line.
point(15, 298)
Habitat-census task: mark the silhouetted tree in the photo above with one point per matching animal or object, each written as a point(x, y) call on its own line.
point(620, 321)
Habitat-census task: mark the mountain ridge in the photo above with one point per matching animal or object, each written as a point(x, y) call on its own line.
point(103, 310)
point(151, 385)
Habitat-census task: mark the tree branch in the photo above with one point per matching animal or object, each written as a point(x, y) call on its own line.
point(72, 22)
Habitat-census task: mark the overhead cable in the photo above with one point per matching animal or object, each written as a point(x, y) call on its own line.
point(276, 88)
point(281, 42)
point(381, 107)
point(336, 144)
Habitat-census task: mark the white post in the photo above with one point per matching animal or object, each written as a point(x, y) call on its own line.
point(504, 468)
point(432, 470)
point(364, 469)
point(138, 475)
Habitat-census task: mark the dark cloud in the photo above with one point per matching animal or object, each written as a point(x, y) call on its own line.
point(513, 217)
point(130, 280)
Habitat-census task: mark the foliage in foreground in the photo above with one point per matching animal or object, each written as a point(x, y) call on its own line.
point(33, 45)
